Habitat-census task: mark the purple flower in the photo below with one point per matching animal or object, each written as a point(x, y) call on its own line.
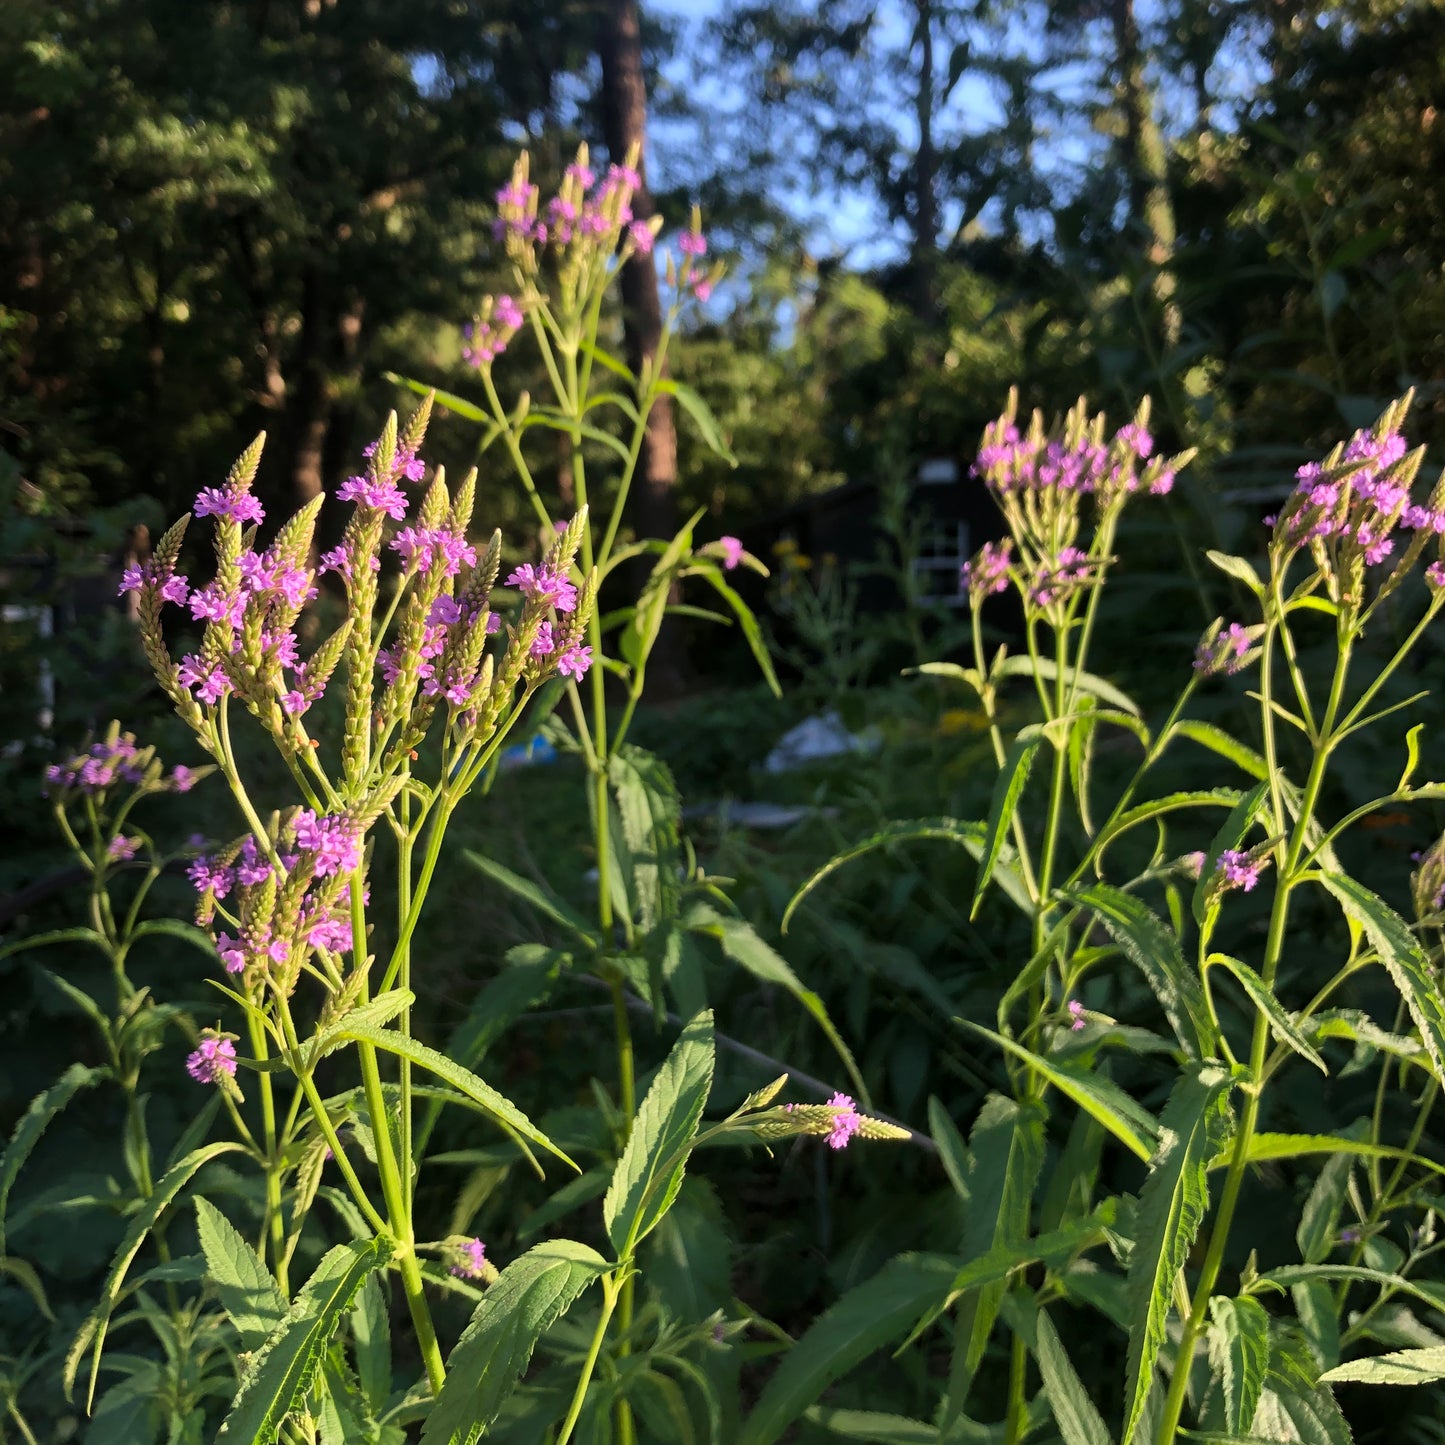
point(405, 463)
point(541, 585)
point(1076, 1014)
point(1237, 870)
point(206, 679)
point(467, 1261)
point(575, 661)
point(333, 838)
point(1224, 653)
point(543, 643)
point(214, 1060)
point(232, 952)
point(426, 547)
point(208, 876)
point(987, 572)
point(692, 243)
point(251, 867)
point(215, 604)
point(846, 1123)
point(640, 234)
point(732, 550)
point(333, 934)
point(487, 337)
point(122, 848)
point(240, 506)
point(383, 496)
point(702, 290)
point(1435, 574)
point(182, 778)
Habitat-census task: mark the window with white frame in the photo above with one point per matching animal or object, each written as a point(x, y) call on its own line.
point(943, 549)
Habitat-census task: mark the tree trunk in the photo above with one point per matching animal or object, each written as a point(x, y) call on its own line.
point(624, 127)
point(1146, 162)
point(925, 215)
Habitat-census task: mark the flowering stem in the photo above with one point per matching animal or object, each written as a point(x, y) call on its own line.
point(610, 1293)
point(274, 1224)
point(1289, 866)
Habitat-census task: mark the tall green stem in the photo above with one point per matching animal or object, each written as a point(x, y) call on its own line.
point(1253, 1088)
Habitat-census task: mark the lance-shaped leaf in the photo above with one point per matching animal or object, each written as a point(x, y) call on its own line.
point(1047, 670)
point(868, 1317)
point(967, 835)
point(1218, 741)
point(33, 1123)
point(746, 947)
point(1399, 1367)
point(1402, 956)
point(1075, 1413)
point(506, 1113)
point(1128, 1121)
point(1008, 789)
point(649, 1174)
point(702, 417)
point(1239, 1356)
point(1281, 1024)
point(281, 1371)
point(93, 1331)
point(548, 905)
point(247, 1292)
point(1295, 1146)
point(526, 1300)
point(1005, 1157)
point(1172, 1206)
point(1154, 950)
point(752, 633)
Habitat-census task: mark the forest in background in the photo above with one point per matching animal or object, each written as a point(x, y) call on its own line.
point(221, 217)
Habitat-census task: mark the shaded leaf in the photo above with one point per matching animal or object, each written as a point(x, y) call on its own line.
point(526, 1300)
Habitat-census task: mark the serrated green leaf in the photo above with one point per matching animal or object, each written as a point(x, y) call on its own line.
point(1294, 1146)
point(1399, 1367)
point(1239, 1356)
point(1008, 789)
point(1128, 1121)
point(968, 835)
point(1402, 957)
point(650, 1171)
point(872, 1426)
point(865, 1319)
point(1172, 1206)
point(650, 812)
point(1075, 1413)
point(526, 978)
point(371, 1344)
point(1281, 1024)
point(247, 1292)
point(375, 1013)
point(546, 904)
point(1005, 1158)
point(1153, 948)
point(463, 1080)
point(92, 1332)
point(34, 1122)
point(1046, 669)
point(1320, 1219)
point(526, 1300)
point(280, 1373)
